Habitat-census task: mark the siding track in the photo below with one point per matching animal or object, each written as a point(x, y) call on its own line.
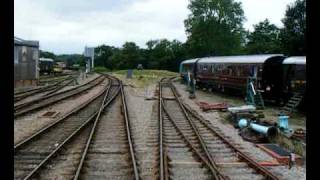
point(93, 142)
point(221, 158)
point(44, 101)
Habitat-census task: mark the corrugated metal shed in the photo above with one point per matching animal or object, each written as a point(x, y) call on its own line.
point(26, 59)
point(21, 42)
point(243, 59)
point(295, 60)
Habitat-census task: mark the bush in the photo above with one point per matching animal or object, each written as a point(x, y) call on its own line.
point(100, 69)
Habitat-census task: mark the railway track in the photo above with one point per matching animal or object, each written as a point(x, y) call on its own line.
point(46, 90)
point(191, 148)
point(109, 153)
point(26, 107)
point(98, 147)
point(32, 153)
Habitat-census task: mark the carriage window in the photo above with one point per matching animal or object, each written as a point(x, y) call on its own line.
point(237, 71)
point(230, 70)
point(212, 68)
point(205, 67)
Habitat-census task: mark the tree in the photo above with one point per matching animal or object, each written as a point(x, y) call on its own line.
point(164, 54)
point(71, 59)
point(102, 56)
point(46, 54)
point(128, 57)
point(293, 34)
point(264, 39)
point(214, 27)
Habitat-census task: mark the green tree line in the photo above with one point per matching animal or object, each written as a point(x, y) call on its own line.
point(213, 28)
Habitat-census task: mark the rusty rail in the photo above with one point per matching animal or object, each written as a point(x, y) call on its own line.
point(252, 163)
point(218, 174)
point(128, 132)
point(28, 106)
point(163, 174)
point(84, 154)
point(215, 172)
point(67, 139)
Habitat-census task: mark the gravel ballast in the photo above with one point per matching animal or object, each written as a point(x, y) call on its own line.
point(228, 129)
point(28, 124)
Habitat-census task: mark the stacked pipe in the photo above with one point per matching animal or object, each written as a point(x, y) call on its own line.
point(269, 131)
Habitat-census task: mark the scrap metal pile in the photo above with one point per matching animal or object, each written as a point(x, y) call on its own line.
point(216, 106)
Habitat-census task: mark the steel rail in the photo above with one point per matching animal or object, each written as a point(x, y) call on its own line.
point(202, 143)
point(60, 87)
point(25, 94)
point(52, 153)
point(128, 130)
point(64, 117)
point(249, 160)
point(243, 155)
point(96, 115)
point(163, 169)
point(84, 154)
point(19, 106)
point(215, 172)
point(26, 109)
point(193, 148)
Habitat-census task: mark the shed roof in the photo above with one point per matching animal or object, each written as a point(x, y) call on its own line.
point(295, 60)
point(246, 59)
point(21, 42)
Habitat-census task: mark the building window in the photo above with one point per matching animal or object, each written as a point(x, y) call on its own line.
point(16, 59)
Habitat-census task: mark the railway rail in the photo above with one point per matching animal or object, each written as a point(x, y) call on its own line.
point(87, 131)
point(46, 90)
point(109, 151)
point(213, 155)
point(26, 107)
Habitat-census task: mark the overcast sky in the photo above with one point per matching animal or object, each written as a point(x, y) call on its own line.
point(66, 26)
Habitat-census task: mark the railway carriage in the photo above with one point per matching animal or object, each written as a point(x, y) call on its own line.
point(294, 74)
point(295, 79)
point(187, 66)
point(46, 65)
point(232, 72)
point(277, 77)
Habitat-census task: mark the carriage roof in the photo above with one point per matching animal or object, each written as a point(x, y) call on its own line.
point(295, 60)
point(242, 59)
point(189, 61)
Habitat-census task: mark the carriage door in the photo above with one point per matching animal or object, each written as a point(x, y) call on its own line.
point(255, 71)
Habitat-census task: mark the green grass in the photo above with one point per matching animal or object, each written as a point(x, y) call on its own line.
point(143, 78)
point(100, 69)
point(147, 73)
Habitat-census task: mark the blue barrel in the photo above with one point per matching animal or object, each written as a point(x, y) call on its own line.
point(283, 122)
point(243, 123)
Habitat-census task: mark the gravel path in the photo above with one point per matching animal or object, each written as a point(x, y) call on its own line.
point(229, 130)
point(25, 126)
